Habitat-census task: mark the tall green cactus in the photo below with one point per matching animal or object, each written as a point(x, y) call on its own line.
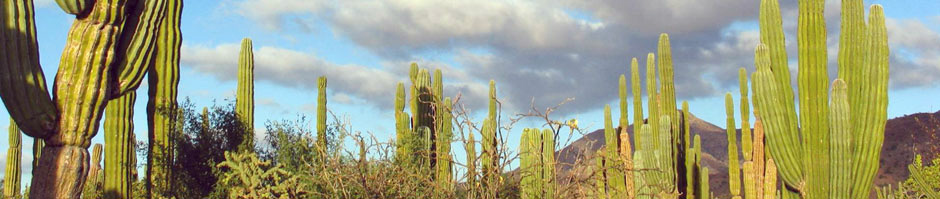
point(626, 156)
point(925, 179)
point(110, 45)
point(863, 59)
point(321, 118)
point(471, 178)
point(490, 157)
point(163, 79)
point(245, 95)
point(615, 178)
point(444, 176)
point(11, 177)
point(746, 139)
point(537, 163)
point(119, 152)
point(734, 175)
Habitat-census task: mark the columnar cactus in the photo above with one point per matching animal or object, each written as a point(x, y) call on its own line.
point(11, 177)
point(745, 116)
point(444, 137)
point(93, 182)
point(245, 95)
point(403, 153)
point(321, 118)
point(637, 98)
point(863, 67)
point(163, 81)
point(734, 177)
point(626, 156)
point(471, 179)
point(690, 164)
point(490, 156)
point(120, 154)
point(925, 179)
point(537, 158)
point(615, 178)
point(110, 45)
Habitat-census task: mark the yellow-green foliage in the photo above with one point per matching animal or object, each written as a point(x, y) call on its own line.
point(249, 177)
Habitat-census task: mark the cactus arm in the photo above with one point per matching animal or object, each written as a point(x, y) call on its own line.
point(870, 133)
point(841, 142)
point(624, 110)
point(782, 138)
point(770, 180)
point(626, 156)
point(120, 150)
point(615, 178)
point(852, 44)
point(637, 98)
point(750, 183)
point(690, 155)
point(163, 79)
point(138, 43)
point(75, 7)
point(734, 175)
point(321, 117)
point(22, 83)
point(548, 163)
point(11, 177)
point(526, 166)
point(651, 90)
point(758, 156)
point(746, 140)
point(813, 83)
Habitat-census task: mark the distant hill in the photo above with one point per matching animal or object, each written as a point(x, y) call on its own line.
point(902, 136)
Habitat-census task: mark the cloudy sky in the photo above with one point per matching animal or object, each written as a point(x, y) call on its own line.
point(536, 50)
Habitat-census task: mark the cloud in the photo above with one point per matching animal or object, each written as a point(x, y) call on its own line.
point(915, 54)
point(538, 49)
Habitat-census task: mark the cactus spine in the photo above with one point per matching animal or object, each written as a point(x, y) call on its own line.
point(321, 118)
point(120, 144)
point(108, 52)
point(863, 59)
point(11, 177)
point(245, 95)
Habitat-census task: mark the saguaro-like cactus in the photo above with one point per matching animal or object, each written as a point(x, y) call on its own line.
point(734, 177)
point(109, 49)
point(245, 95)
point(163, 81)
point(321, 117)
point(11, 177)
point(615, 178)
point(863, 59)
point(119, 150)
point(444, 137)
point(537, 163)
point(490, 156)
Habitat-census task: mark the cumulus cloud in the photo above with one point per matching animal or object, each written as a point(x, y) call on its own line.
point(915, 58)
point(539, 49)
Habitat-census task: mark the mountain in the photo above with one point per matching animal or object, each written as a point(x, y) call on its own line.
point(903, 137)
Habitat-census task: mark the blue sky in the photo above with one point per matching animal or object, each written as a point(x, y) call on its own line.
point(546, 50)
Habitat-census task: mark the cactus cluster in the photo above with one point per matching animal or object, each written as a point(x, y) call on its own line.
point(537, 164)
point(424, 137)
point(112, 44)
point(839, 168)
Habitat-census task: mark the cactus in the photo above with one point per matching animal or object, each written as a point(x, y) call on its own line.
point(108, 51)
point(615, 178)
point(163, 79)
point(925, 179)
point(690, 164)
point(537, 163)
point(402, 128)
point(444, 137)
point(746, 145)
point(321, 118)
point(471, 183)
point(734, 177)
point(245, 95)
point(770, 180)
point(637, 99)
point(490, 156)
point(704, 192)
point(863, 62)
point(94, 180)
point(120, 144)
point(626, 156)
point(11, 177)
point(600, 179)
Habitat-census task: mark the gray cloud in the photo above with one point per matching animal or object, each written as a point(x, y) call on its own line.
point(538, 49)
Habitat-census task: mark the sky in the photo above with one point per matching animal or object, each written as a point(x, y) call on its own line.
point(536, 50)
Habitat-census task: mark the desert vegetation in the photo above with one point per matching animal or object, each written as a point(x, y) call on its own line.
point(826, 146)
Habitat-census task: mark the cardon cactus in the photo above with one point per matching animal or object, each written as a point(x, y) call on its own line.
point(93, 182)
point(245, 95)
point(490, 156)
point(11, 177)
point(119, 152)
point(109, 50)
point(321, 118)
point(794, 141)
point(163, 81)
point(537, 163)
point(615, 178)
point(734, 175)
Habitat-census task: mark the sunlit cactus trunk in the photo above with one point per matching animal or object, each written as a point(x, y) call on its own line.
point(537, 164)
point(11, 177)
point(734, 175)
point(105, 57)
point(120, 153)
point(163, 81)
point(321, 118)
point(245, 93)
point(839, 168)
